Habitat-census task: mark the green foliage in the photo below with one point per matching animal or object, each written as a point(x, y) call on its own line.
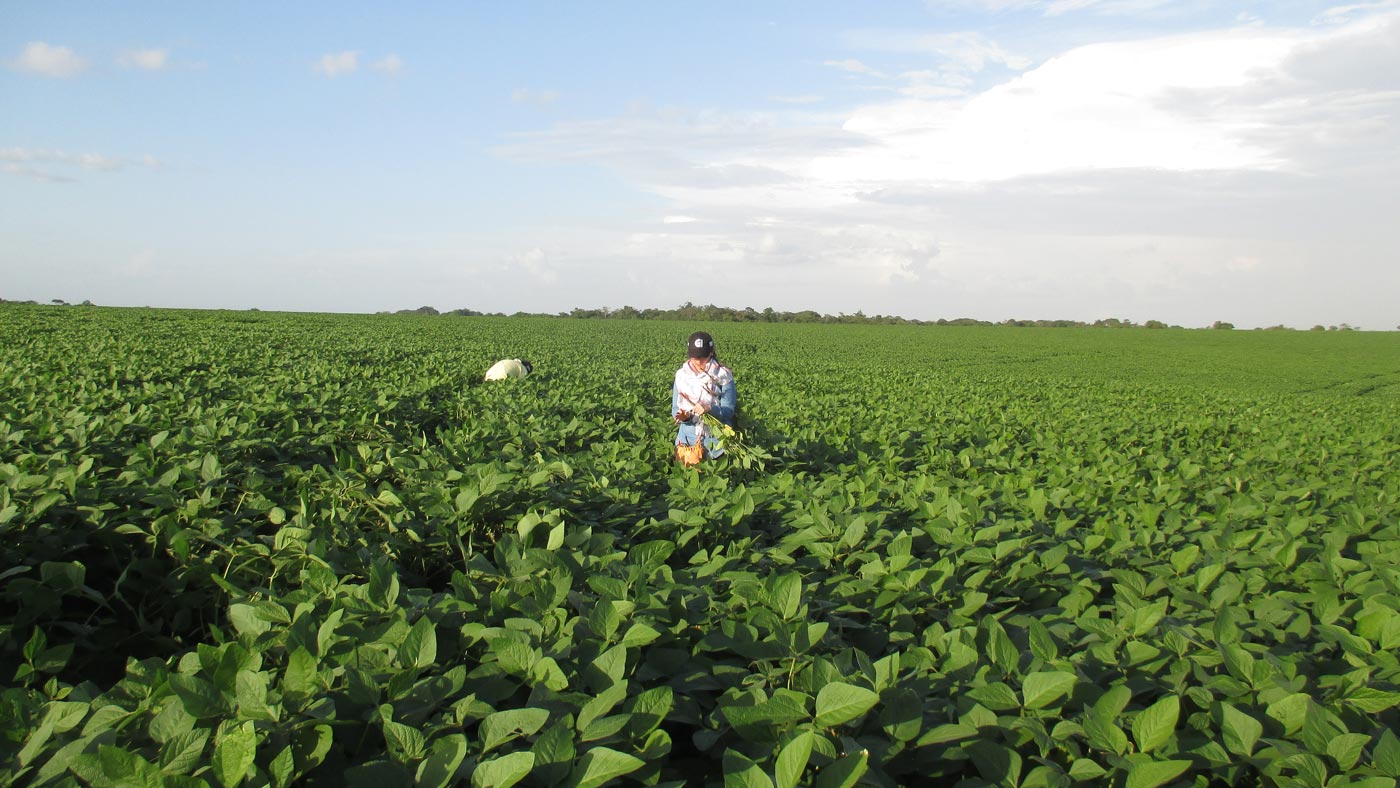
point(256, 549)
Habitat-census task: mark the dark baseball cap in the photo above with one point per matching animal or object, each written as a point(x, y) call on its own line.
point(700, 345)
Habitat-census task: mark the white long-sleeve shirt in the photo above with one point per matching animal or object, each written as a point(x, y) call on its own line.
point(507, 368)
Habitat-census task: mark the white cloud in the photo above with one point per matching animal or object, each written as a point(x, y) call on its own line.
point(962, 51)
point(139, 265)
point(994, 6)
point(537, 97)
point(954, 59)
point(1338, 15)
point(1058, 7)
point(1185, 178)
point(40, 164)
point(144, 59)
point(1237, 99)
point(28, 155)
point(1105, 7)
point(389, 64)
point(536, 264)
point(1228, 100)
point(677, 219)
point(335, 64)
point(27, 171)
point(933, 84)
point(1244, 263)
point(853, 66)
point(96, 161)
point(48, 60)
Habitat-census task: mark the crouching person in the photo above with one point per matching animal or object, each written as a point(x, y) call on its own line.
point(703, 385)
point(509, 368)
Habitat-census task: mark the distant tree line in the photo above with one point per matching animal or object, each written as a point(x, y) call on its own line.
point(709, 313)
point(55, 302)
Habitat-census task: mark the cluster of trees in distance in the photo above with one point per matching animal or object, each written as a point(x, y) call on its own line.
point(710, 313)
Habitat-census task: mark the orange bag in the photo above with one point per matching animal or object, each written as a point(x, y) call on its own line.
point(690, 455)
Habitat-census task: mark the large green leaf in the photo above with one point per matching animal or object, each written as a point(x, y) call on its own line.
point(785, 593)
point(1346, 749)
point(792, 760)
point(601, 704)
point(998, 764)
point(1290, 711)
point(504, 771)
point(649, 709)
point(1084, 769)
point(1240, 731)
point(246, 620)
point(1372, 700)
point(184, 752)
point(406, 743)
point(997, 696)
point(419, 649)
point(1154, 725)
point(301, 672)
point(1150, 774)
point(1105, 735)
point(1042, 642)
point(498, 728)
point(838, 702)
point(1041, 689)
point(757, 722)
point(845, 771)
point(947, 732)
point(200, 698)
point(233, 754)
point(741, 772)
point(282, 767)
point(1385, 755)
point(902, 716)
point(310, 745)
point(600, 765)
point(554, 752)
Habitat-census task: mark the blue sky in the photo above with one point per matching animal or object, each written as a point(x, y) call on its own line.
point(1179, 161)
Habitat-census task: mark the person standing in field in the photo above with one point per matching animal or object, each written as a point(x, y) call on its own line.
point(509, 368)
point(702, 385)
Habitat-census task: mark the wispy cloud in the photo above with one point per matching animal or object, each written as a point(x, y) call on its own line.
point(389, 64)
point(853, 66)
point(805, 98)
point(1056, 7)
point(954, 60)
point(96, 161)
point(144, 59)
point(1342, 14)
point(52, 165)
point(139, 265)
point(537, 265)
point(1104, 7)
point(966, 50)
point(29, 171)
point(537, 97)
point(39, 57)
point(337, 63)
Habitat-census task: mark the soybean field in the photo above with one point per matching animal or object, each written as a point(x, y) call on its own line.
point(260, 549)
